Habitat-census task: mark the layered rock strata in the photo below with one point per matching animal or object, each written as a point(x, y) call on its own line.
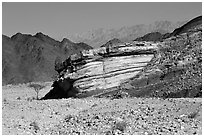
point(102, 70)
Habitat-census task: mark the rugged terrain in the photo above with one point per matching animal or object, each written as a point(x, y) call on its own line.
point(176, 70)
point(98, 37)
point(171, 68)
point(160, 93)
point(27, 58)
point(22, 114)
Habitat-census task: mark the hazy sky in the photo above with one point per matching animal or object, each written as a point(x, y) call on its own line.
point(59, 20)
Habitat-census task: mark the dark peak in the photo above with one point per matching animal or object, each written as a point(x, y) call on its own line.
point(153, 36)
point(4, 36)
point(115, 40)
point(19, 36)
point(66, 41)
point(84, 45)
point(16, 35)
point(41, 36)
point(192, 24)
point(112, 42)
point(45, 38)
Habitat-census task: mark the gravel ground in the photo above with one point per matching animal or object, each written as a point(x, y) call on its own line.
point(144, 116)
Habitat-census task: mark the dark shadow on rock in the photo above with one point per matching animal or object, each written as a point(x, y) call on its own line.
point(61, 89)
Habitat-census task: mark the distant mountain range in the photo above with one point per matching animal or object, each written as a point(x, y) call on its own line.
point(27, 58)
point(156, 36)
point(99, 37)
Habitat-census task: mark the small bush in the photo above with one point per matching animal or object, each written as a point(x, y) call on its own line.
point(94, 105)
point(31, 99)
point(68, 118)
point(120, 125)
point(193, 114)
point(37, 88)
point(4, 100)
point(35, 126)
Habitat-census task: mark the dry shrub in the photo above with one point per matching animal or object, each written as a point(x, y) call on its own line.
point(37, 88)
point(35, 126)
point(193, 114)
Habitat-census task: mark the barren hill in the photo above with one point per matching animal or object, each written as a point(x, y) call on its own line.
point(154, 36)
point(29, 58)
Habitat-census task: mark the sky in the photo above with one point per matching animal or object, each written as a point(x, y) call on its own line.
point(60, 20)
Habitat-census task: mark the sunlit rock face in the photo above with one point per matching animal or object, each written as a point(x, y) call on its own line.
point(108, 72)
point(103, 70)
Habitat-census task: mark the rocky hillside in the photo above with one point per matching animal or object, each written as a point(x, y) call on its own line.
point(173, 70)
point(153, 36)
point(27, 58)
point(99, 37)
point(192, 24)
point(176, 70)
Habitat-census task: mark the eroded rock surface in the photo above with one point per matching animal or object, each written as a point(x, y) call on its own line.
point(102, 69)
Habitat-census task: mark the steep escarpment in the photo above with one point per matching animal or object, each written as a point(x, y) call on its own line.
point(29, 58)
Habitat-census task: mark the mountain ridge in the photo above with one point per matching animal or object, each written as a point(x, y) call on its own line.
point(27, 58)
point(98, 37)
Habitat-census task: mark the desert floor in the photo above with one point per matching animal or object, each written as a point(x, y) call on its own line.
point(21, 114)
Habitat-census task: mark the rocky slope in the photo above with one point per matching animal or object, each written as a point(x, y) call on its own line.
point(174, 70)
point(27, 58)
point(196, 22)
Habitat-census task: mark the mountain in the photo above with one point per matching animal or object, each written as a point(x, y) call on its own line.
point(98, 37)
point(112, 42)
point(192, 24)
point(27, 58)
point(154, 36)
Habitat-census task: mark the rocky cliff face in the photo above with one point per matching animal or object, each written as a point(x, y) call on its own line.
point(103, 71)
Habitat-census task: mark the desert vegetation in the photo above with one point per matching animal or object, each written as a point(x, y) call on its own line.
point(37, 88)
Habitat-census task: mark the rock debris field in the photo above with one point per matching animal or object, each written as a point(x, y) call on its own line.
point(24, 115)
